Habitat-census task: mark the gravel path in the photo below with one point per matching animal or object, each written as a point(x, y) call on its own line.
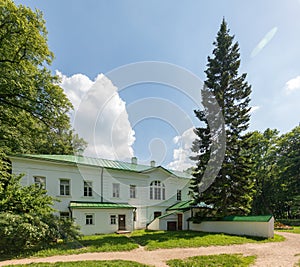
point(268, 254)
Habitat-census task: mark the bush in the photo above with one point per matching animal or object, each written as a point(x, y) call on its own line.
point(290, 222)
point(20, 232)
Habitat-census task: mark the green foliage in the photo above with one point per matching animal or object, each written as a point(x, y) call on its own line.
point(276, 170)
point(115, 263)
point(232, 190)
point(33, 108)
point(18, 199)
point(23, 232)
point(265, 171)
point(290, 222)
point(289, 174)
point(214, 260)
point(33, 119)
point(20, 232)
point(26, 219)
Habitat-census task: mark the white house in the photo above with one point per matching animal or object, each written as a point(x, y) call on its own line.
point(105, 196)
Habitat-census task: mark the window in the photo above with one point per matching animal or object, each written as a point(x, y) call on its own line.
point(89, 219)
point(157, 190)
point(116, 190)
point(178, 194)
point(64, 215)
point(132, 191)
point(157, 214)
point(64, 187)
point(88, 189)
point(40, 181)
point(113, 219)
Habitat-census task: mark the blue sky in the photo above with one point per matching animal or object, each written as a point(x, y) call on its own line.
point(96, 36)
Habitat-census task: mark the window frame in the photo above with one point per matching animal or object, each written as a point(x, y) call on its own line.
point(66, 187)
point(157, 190)
point(87, 188)
point(113, 219)
point(37, 181)
point(116, 190)
point(132, 191)
point(89, 219)
point(179, 195)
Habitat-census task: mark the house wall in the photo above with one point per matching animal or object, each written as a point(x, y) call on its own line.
point(162, 223)
point(102, 223)
point(262, 229)
point(102, 181)
point(154, 225)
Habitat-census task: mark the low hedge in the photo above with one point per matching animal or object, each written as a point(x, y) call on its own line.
point(290, 222)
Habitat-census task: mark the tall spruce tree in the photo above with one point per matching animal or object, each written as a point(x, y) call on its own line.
point(232, 189)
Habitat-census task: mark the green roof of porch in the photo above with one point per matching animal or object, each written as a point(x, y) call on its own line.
point(99, 205)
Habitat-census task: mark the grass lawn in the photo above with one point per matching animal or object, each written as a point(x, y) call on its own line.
point(151, 240)
point(97, 243)
point(116, 263)
point(183, 239)
point(214, 260)
point(295, 230)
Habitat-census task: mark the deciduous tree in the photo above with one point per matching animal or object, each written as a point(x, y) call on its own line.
point(33, 108)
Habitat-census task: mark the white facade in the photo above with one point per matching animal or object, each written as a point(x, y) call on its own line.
point(177, 220)
point(133, 194)
point(261, 229)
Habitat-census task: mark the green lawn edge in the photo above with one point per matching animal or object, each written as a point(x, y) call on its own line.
point(104, 263)
point(295, 230)
point(213, 261)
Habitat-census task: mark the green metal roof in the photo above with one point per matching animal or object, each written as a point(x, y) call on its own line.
point(105, 163)
point(166, 215)
point(263, 218)
point(183, 205)
point(99, 205)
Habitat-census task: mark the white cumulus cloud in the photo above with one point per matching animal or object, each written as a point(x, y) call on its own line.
point(292, 85)
point(100, 116)
point(181, 155)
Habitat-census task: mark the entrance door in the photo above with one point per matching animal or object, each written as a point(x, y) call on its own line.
point(122, 222)
point(179, 220)
point(171, 226)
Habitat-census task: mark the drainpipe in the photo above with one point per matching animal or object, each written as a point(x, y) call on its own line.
point(101, 180)
point(71, 213)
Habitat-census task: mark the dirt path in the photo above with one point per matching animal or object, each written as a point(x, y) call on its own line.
point(268, 254)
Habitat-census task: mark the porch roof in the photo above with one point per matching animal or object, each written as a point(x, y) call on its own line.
point(183, 205)
point(99, 205)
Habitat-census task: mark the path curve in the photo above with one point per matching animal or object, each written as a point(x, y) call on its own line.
point(279, 254)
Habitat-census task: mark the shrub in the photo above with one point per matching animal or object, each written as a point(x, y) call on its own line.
point(20, 232)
